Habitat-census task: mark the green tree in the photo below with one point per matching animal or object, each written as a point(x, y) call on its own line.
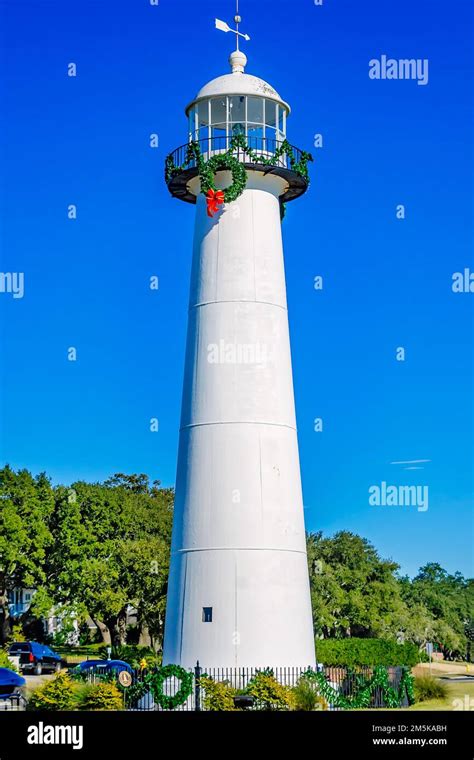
point(354, 592)
point(449, 600)
point(112, 551)
point(26, 505)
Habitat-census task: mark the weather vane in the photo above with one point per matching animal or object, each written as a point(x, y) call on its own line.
point(226, 28)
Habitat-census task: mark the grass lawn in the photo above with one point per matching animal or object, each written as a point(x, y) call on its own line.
point(75, 659)
point(81, 649)
point(444, 668)
point(74, 655)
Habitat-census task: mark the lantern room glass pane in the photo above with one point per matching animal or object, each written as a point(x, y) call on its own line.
point(219, 130)
point(218, 134)
point(255, 136)
point(270, 113)
point(281, 120)
point(203, 113)
point(203, 121)
point(270, 139)
point(203, 134)
point(219, 110)
point(192, 124)
point(255, 110)
point(237, 109)
point(238, 128)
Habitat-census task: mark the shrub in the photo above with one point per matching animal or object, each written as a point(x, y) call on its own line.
point(354, 652)
point(427, 687)
point(58, 694)
point(306, 697)
point(218, 695)
point(269, 694)
point(17, 633)
point(102, 696)
point(5, 661)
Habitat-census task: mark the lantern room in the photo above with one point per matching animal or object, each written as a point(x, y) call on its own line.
point(237, 104)
point(241, 105)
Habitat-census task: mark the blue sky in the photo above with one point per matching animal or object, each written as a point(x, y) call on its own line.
point(387, 282)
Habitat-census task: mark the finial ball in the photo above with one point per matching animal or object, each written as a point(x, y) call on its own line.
point(238, 62)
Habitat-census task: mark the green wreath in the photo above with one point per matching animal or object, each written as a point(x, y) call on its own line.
point(221, 163)
point(156, 686)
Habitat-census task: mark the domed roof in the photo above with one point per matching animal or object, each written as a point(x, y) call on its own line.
point(238, 83)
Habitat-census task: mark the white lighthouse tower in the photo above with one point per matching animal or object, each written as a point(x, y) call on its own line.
point(238, 593)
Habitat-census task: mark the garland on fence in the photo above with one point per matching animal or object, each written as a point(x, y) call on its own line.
point(154, 682)
point(138, 689)
point(227, 161)
point(364, 689)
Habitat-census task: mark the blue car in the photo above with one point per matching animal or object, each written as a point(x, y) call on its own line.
point(103, 667)
point(10, 684)
point(35, 658)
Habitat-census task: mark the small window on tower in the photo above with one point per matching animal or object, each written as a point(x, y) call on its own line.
point(207, 614)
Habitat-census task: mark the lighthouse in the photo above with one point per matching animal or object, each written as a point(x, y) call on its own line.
point(238, 592)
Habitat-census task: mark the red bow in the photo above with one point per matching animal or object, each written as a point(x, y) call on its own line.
point(214, 198)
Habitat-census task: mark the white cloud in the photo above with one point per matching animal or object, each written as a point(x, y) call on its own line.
point(412, 461)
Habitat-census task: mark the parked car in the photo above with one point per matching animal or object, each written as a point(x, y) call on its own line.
point(36, 658)
point(103, 667)
point(11, 684)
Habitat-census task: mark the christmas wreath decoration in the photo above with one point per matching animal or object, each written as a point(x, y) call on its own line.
point(228, 161)
point(153, 682)
point(221, 162)
point(156, 686)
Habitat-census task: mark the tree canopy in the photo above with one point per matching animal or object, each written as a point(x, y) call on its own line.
point(93, 548)
point(355, 592)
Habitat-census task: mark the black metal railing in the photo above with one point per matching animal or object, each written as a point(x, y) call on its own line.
point(266, 147)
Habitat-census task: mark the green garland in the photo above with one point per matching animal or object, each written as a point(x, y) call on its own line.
point(227, 160)
point(153, 682)
point(364, 689)
point(137, 690)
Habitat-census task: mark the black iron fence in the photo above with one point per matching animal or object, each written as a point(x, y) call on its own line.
point(335, 688)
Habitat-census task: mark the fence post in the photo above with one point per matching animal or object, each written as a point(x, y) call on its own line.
point(197, 687)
